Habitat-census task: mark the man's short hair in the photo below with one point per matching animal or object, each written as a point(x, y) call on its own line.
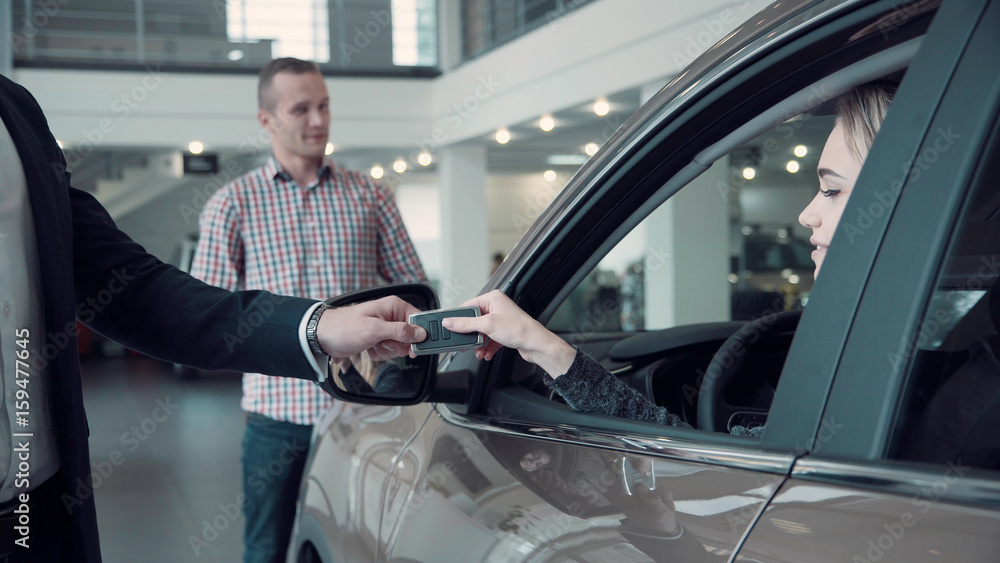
point(265, 99)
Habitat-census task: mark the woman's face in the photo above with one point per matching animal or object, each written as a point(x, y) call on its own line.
point(837, 171)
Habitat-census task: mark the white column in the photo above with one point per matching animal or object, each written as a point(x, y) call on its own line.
point(688, 257)
point(465, 252)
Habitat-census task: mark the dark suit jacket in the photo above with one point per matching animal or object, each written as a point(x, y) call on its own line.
point(154, 308)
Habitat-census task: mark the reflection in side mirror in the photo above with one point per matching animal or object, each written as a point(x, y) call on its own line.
point(402, 381)
point(361, 376)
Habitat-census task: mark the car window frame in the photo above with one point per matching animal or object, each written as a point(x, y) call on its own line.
point(917, 237)
point(643, 173)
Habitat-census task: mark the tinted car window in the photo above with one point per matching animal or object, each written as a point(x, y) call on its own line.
point(952, 410)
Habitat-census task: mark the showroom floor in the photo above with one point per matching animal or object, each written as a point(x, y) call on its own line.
point(177, 463)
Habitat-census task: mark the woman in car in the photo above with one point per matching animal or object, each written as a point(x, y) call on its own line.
point(582, 381)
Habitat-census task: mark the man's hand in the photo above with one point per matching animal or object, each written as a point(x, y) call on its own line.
point(379, 327)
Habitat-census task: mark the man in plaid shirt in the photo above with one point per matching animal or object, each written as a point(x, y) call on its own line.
point(298, 225)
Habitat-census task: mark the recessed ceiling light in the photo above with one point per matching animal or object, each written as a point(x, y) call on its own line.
point(749, 172)
point(424, 159)
point(546, 123)
point(549, 175)
point(503, 135)
point(196, 147)
point(800, 151)
point(399, 166)
point(792, 166)
point(591, 148)
point(377, 172)
point(602, 107)
point(329, 149)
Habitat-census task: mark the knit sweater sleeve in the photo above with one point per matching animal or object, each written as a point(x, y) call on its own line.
point(588, 387)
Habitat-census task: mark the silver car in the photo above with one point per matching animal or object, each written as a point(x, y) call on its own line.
point(880, 402)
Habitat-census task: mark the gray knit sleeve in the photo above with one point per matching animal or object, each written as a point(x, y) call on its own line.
point(588, 387)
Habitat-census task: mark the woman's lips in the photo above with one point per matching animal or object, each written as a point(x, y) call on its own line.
point(819, 253)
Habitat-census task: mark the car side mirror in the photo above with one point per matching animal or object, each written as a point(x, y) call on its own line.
point(401, 381)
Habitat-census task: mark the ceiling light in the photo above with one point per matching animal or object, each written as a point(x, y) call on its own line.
point(591, 148)
point(749, 172)
point(602, 107)
point(424, 159)
point(546, 123)
point(329, 149)
point(800, 151)
point(746, 230)
point(549, 175)
point(503, 135)
point(792, 166)
point(794, 279)
point(235, 55)
point(782, 233)
point(377, 172)
point(566, 159)
point(196, 147)
point(399, 166)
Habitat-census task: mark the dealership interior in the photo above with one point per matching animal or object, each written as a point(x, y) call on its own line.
point(474, 113)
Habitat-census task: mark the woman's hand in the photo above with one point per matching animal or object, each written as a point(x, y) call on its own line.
point(505, 324)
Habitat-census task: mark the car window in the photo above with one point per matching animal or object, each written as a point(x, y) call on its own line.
point(726, 247)
point(951, 410)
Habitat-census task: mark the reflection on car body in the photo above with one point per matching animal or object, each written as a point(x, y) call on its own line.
point(480, 463)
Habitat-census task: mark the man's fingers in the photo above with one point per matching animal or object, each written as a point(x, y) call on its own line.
point(405, 332)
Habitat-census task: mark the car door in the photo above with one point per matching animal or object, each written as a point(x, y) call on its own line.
point(909, 470)
point(507, 471)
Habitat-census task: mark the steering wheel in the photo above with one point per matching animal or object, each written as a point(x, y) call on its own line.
point(713, 410)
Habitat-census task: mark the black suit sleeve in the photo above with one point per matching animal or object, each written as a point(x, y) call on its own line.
point(133, 298)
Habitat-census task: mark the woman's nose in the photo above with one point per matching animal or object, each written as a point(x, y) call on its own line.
point(809, 218)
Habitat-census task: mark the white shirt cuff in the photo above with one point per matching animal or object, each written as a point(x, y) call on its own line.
point(316, 361)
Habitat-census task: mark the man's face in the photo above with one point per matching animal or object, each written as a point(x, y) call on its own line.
point(300, 121)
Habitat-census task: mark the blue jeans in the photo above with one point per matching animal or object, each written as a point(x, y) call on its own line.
point(274, 458)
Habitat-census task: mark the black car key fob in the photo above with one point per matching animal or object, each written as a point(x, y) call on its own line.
point(440, 339)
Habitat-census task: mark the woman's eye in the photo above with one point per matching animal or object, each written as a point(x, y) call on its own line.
point(828, 193)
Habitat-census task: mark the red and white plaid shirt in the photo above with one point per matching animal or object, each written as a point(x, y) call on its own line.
point(264, 231)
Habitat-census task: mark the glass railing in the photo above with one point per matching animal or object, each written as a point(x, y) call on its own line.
point(362, 36)
point(487, 24)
